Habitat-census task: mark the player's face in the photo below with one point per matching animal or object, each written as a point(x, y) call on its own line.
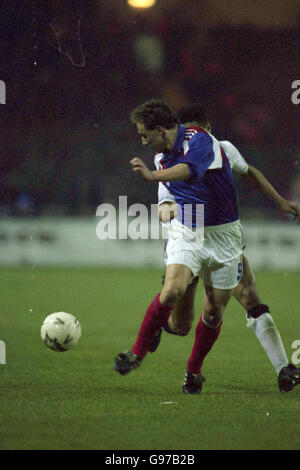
point(154, 138)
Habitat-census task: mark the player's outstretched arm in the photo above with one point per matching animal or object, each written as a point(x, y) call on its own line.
point(257, 179)
point(179, 172)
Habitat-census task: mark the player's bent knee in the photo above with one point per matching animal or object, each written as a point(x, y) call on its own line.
point(171, 293)
point(182, 329)
point(212, 320)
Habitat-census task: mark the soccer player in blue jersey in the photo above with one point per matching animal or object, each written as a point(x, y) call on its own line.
point(259, 317)
point(197, 172)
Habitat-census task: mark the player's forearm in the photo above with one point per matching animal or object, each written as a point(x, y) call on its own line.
point(179, 172)
point(257, 179)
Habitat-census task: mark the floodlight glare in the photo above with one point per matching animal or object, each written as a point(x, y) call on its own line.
point(141, 3)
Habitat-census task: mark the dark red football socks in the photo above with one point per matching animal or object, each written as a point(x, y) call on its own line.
point(204, 341)
point(156, 316)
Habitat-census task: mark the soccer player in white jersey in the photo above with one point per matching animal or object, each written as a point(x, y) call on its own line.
point(258, 314)
point(198, 174)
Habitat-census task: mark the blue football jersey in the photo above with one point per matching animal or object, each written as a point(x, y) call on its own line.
point(211, 185)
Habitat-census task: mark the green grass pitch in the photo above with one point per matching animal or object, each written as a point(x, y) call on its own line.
point(75, 400)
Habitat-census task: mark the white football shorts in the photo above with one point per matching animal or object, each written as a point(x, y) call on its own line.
point(215, 255)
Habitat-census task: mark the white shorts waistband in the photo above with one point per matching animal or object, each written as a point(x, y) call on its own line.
point(221, 227)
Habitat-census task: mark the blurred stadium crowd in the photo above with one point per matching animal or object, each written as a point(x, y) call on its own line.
point(65, 137)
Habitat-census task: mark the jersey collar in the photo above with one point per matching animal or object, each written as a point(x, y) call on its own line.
point(198, 129)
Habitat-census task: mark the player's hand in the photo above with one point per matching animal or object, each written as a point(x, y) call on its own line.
point(139, 167)
point(291, 208)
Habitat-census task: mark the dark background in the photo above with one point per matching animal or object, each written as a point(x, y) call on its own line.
point(75, 69)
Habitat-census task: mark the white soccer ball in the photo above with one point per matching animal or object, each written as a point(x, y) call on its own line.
point(61, 331)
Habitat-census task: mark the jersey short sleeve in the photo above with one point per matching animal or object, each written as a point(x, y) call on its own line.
point(236, 161)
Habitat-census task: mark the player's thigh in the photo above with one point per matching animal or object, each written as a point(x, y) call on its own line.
point(183, 312)
point(215, 301)
point(178, 277)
